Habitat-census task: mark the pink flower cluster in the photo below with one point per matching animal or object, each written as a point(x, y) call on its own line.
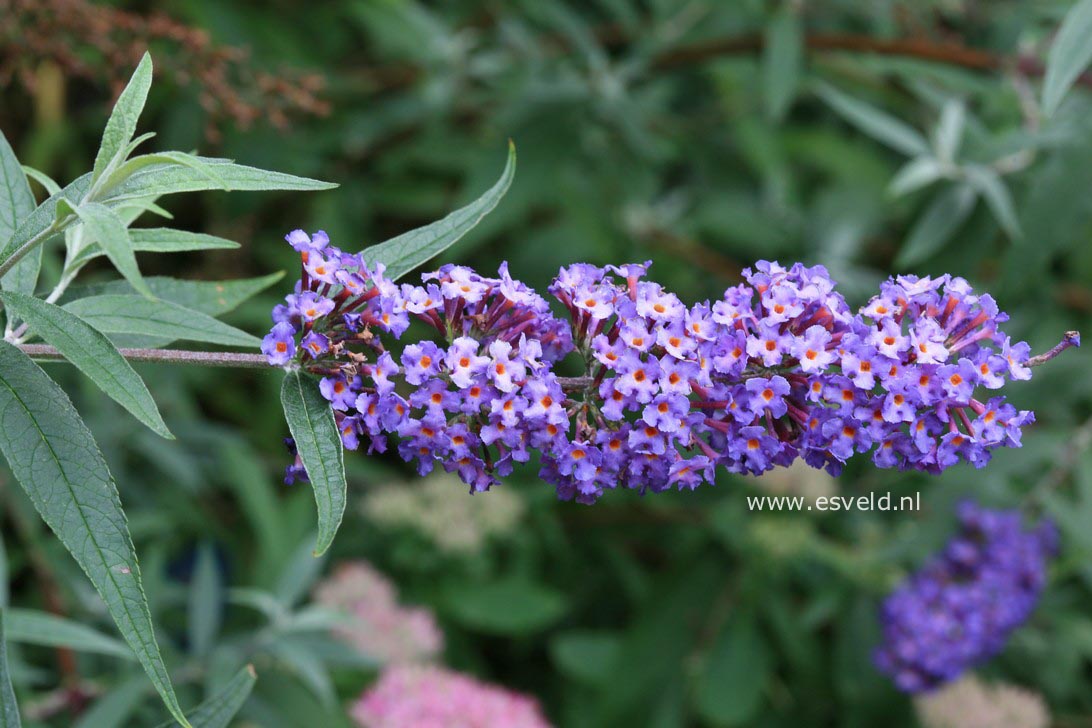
point(376, 624)
point(434, 697)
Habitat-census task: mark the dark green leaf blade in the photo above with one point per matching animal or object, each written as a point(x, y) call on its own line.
point(311, 422)
point(92, 353)
point(16, 204)
point(9, 708)
point(54, 456)
point(730, 692)
point(782, 58)
point(120, 314)
point(409, 250)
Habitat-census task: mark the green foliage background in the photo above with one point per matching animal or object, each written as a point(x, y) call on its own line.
point(642, 134)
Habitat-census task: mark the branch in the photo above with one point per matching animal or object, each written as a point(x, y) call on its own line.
point(168, 356)
point(238, 360)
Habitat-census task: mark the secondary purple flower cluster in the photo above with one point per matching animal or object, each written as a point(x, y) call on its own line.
point(778, 368)
point(960, 609)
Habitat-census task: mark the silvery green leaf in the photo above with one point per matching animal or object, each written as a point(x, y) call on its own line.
point(120, 314)
point(92, 353)
point(782, 59)
point(311, 422)
point(915, 174)
point(161, 240)
point(16, 205)
point(942, 217)
point(308, 667)
point(54, 457)
point(42, 223)
point(43, 179)
point(298, 575)
point(217, 711)
point(409, 250)
point(1069, 56)
point(197, 164)
point(114, 709)
point(106, 228)
point(990, 185)
point(214, 298)
point(123, 119)
point(28, 626)
point(9, 708)
point(876, 123)
point(949, 131)
point(170, 178)
point(206, 601)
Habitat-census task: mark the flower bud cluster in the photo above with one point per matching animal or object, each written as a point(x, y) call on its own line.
point(779, 368)
point(961, 607)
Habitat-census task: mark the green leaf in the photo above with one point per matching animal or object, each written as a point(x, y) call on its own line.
point(170, 178)
point(43, 179)
point(16, 205)
point(1069, 55)
point(206, 600)
point(311, 422)
point(511, 607)
point(299, 573)
point(161, 240)
point(989, 184)
point(949, 131)
point(92, 353)
point(915, 174)
point(53, 455)
point(32, 627)
point(409, 250)
point(9, 708)
point(214, 298)
point(120, 314)
point(41, 224)
point(123, 120)
point(730, 690)
point(105, 227)
point(949, 209)
point(782, 58)
point(876, 123)
point(114, 708)
point(217, 711)
point(586, 656)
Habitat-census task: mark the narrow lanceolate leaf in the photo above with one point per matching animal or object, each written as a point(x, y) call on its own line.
point(782, 58)
point(16, 205)
point(214, 298)
point(206, 601)
point(876, 123)
point(409, 250)
point(123, 119)
point(9, 709)
point(91, 352)
point(31, 627)
point(942, 217)
point(1069, 56)
point(915, 174)
point(311, 422)
point(169, 178)
point(53, 455)
point(105, 227)
point(217, 711)
point(138, 315)
point(161, 240)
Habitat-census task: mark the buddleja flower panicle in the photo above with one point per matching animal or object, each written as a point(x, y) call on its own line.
point(961, 607)
point(779, 368)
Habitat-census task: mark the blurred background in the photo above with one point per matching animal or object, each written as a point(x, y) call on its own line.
point(872, 137)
